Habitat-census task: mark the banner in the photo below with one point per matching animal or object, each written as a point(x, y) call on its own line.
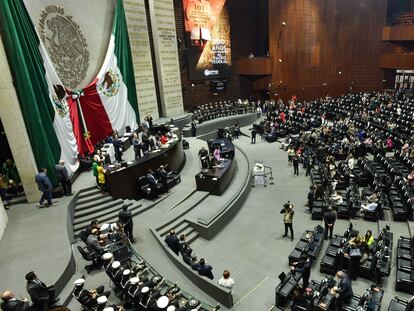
point(207, 29)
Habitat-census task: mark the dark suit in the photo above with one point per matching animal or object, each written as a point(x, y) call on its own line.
point(173, 243)
point(205, 270)
point(345, 292)
point(15, 305)
point(84, 297)
point(305, 268)
point(40, 294)
point(125, 217)
point(63, 176)
point(329, 218)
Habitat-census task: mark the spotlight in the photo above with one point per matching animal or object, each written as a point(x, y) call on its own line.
point(324, 84)
point(339, 72)
point(280, 60)
point(284, 24)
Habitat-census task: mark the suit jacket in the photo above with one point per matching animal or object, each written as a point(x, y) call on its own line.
point(15, 305)
point(125, 217)
point(345, 289)
point(173, 243)
point(329, 217)
point(206, 271)
point(61, 172)
point(38, 291)
point(93, 245)
point(43, 182)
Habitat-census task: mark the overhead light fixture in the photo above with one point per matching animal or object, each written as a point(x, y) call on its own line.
point(324, 84)
point(339, 72)
point(284, 24)
point(280, 60)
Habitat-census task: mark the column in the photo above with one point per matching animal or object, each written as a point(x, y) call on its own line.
point(15, 129)
point(166, 54)
point(141, 56)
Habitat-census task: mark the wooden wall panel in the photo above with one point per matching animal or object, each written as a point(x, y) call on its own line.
point(397, 61)
point(255, 66)
point(326, 46)
point(398, 33)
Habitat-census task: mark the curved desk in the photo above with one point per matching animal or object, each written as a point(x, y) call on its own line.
point(123, 182)
point(216, 180)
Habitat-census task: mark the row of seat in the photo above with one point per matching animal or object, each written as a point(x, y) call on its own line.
point(149, 190)
point(375, 266)
point(310, 244)
point(405, 265)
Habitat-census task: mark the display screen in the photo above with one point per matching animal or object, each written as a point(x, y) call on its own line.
point(207, 29)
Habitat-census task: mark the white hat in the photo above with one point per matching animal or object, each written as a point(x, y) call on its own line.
point(145, 290)
point(171, 308)
point(162, 302)
point(116, 264)
point(126, 272)
point(108, 309)
point(79, 282)
point(134, 280)
point(102, 300)
point(107, 256)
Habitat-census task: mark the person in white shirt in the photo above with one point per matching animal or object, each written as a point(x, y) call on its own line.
point(226, 281)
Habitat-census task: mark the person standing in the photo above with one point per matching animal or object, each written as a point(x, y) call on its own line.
point(101, 176)
point(42, 296)
point(303, 266)
point(137, 146)
point(254, 133)
point(329, 217)
point(45, 186)
point(95, 168)
point(125, 218)
point(63, 176)
point(288, 212)
point(193, 128)
point(295, 162)
point(344, 289)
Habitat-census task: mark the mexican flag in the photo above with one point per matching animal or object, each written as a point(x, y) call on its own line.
point(62, 122)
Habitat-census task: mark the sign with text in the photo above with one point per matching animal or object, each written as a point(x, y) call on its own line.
point(207, 29)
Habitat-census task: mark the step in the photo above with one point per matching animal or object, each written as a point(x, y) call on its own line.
point(188, 231)
point(91, 198)
point(99, 213)
point(177, 226)
point(89, 192)
point(112, 217)
point(88, 205)
point(97, 208)
point(192, 237)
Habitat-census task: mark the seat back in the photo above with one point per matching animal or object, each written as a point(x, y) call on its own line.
point(84, 254)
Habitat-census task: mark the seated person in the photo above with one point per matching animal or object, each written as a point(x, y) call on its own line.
point(369, 238)
point(337, 198)
point(88, 298)
point(152, 182)
point(94, 244)
point(410, 178)
point(226, 280)
point(173, 242)
point(204, 269)
point(372, 203)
